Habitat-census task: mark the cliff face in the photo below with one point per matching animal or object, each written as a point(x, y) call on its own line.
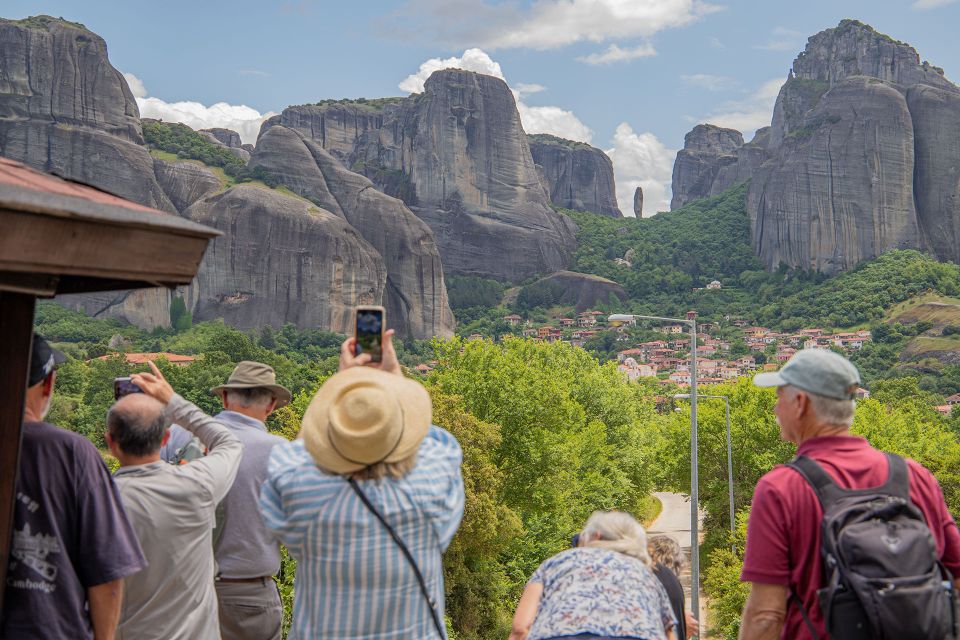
point(457, 156)
point(577, 176)
point(312, 271)
point(415, 295)
point(283, 259)
point(62, 103)
point(861, 157)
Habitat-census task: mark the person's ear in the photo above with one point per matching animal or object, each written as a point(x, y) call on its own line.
point(224, 401)
point(802, 401)
point(273, 405)
point(166, 437)
point(48, 384)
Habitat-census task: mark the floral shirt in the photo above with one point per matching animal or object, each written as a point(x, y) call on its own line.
point(601, 592)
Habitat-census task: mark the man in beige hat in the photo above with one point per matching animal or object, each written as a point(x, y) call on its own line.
point(247, 555)
point(367, 499)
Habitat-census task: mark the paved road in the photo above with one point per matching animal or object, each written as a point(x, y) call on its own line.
point(674, 521)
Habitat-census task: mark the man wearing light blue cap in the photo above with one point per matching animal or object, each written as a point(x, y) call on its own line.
point(782, 561)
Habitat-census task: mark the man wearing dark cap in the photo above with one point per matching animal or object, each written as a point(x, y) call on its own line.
point(72, 541)
point(815, 406)
point(247, 555)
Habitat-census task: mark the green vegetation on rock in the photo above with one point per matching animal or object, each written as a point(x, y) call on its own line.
point(546, 138)
point(366, 104)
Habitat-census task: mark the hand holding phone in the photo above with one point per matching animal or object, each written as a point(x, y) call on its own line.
point(124, 386)
point(369, 328)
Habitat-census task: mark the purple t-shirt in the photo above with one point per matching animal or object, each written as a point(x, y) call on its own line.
point(70, 532)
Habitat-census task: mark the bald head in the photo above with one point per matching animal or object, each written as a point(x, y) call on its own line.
point(137, 424)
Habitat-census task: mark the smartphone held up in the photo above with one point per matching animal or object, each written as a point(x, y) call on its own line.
point(124, 386)
point(369, 327)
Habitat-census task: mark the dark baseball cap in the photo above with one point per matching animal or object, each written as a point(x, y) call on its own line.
point(43, 360)
point(818, 371)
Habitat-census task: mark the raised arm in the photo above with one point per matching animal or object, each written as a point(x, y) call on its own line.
point(218, 468)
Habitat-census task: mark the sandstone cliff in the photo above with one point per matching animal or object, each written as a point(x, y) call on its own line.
point(578, 176)
point(415, 294)
point(458, 158)
point(283, 259)
point(860, 157)
point(312, 271)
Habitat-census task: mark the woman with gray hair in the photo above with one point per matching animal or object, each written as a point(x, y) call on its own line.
point(603, 588)
point(668, 561)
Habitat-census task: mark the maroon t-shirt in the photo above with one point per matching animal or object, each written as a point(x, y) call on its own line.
point(783, 536)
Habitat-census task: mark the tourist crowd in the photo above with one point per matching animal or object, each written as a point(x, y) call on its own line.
point(182, 542)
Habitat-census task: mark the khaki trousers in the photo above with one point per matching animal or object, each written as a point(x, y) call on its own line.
point(249, 610)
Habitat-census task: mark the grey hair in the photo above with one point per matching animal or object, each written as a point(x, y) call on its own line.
point(666, 551)
point(617, 531)
point(830, 410)
point(137, 423)
point(257, 396)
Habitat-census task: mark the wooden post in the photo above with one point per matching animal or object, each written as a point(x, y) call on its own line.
point(16, 328)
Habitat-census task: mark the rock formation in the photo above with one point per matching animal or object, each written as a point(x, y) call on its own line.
point(712, 160)
point(415, 296)
point(861, 157)
point(852, 138)
point(458, 157)
point(578, 176)
point(61, 103)
point(638, 202)
point(284, 259)
point(582, 290)
point(313, 270)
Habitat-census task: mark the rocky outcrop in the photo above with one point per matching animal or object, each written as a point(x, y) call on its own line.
point(864, 150)
point(415, 296)
point(936, 130)
point(705, 150)
point(61, 104)
point(841, 187)
point(578, 176)
point(457, 156)
point(217, 136)
point(584, 291)
point(638, 202)
point(185, 182)
point(861, 157)
point(282, 260)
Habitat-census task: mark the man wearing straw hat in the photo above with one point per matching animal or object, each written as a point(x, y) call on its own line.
point(367, 499)
point(247, 555)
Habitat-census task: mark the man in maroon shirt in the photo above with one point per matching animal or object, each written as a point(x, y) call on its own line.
point(815, 410)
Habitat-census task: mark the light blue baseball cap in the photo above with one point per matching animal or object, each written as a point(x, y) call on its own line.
point(818, 371)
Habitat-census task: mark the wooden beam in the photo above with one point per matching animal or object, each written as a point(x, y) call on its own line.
point(16, 331)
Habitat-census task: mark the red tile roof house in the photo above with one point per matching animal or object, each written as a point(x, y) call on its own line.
point(144, 358)
point(513, 319)
point(954, 399)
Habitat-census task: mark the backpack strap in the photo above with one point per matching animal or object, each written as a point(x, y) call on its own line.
point(803, 612)
point(828, 491)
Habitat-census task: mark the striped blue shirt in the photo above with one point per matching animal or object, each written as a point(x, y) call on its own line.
point(352, 580)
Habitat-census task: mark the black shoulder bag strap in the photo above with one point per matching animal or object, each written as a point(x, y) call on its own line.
point(406, 552)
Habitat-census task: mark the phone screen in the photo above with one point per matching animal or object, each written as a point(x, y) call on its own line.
point(123, 387)
point(370, 333)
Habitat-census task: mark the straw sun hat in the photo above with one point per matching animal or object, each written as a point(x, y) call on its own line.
point(363, 416)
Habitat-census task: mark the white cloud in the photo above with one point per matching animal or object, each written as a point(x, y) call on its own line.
point(751, 113)
point(782, 39)
point(136, 85)
point(614, 53)
point(244, 120)
point(471, 60)
point(921, 5)
point(527, 88)
point(707, 81)
point(554, 120)
point(549, 119)
point(641, 160)
point(544, 24)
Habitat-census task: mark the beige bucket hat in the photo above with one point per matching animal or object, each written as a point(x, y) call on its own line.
point(363, 416)
point(254, 375)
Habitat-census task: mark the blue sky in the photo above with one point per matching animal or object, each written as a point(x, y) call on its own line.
point(629, 76)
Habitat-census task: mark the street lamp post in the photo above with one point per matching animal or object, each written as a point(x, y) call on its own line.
point(616, 320)
point(726, 402)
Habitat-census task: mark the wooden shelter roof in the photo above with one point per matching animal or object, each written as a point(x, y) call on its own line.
point(63, 237)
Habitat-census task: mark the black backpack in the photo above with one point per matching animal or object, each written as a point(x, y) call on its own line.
point(882, 577)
